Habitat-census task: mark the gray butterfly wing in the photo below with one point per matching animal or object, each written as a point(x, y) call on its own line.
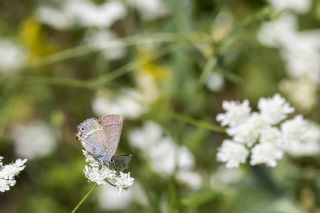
point(120, 162)
point(112, 126)
point(92, 136)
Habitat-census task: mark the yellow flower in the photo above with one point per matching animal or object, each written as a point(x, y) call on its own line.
point(33, 38)
point(150, 76)
point(149, 67)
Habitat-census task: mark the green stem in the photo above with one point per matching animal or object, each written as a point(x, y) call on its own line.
point(197, 123)
point(100, 80)
point(210, 64)
point(103, 79)
point(84, 198)
point(127, 41)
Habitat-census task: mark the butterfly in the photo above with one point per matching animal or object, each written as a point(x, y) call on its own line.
point(101, 137)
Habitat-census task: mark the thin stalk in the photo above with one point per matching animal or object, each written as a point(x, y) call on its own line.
point(84, 198)
point(61, 81)
point(99, 81)
point(127, 41)
point(198, 123)
point(103, 79)
point(210, 64)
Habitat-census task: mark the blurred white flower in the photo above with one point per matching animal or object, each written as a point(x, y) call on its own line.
point(223, 177)
point(299, 6)
point(34, 140)
point(302, 138)
point(163, 155)
point(278, 32)
point(149, 9)
point(8, 173)
point(148, 87)
point(312, 133)
point(302, 148)
point(110, 200)
point(302, 92)
point(88, 14)
point(299, 49)
point(185, 158)
point(266, 137)
point(302, 55)
point(266, 153)
point(101, 174)
point(146, 137)
point(82, 13)
point(128, 104)
point(12, 56)
point(54, 17)
point(275, 109)
point(293, 129)
point(235, 114)
point(232, 153)
point(190, 178)
point(215, 82)
point(112, 48)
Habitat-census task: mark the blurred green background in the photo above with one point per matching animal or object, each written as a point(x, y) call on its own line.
point(152, 62)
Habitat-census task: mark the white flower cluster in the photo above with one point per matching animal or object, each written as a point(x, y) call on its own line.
point(265, 135)
point(12, 56)
point(100, 174)
point(82, 13)
point(164, 156)
point(8, 173)
point(128, 104)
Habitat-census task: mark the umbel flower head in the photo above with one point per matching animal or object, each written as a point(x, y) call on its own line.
point(266, 135)
point(8, 173)
point(101, 174)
